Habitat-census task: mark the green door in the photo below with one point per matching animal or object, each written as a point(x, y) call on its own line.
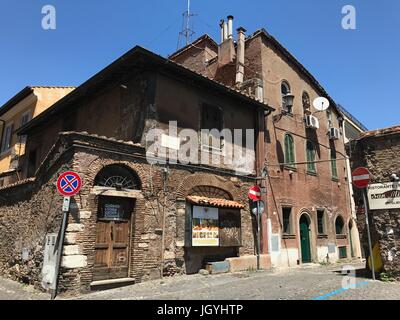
point(305, 240)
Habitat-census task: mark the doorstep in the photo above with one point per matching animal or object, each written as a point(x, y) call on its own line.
point(111, 283)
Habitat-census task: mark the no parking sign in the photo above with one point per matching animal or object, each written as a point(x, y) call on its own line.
point(69, 184)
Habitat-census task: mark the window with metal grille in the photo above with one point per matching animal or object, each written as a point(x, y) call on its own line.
point(286, 220)
point(321, 222)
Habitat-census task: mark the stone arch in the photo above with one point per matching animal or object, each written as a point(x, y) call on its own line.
point(114, 175)
point(205, 179)
point(95, 166)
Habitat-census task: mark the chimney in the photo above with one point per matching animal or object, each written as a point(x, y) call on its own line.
point(221, 24)
point(240, 55)
point(226, 50)
point(230, 27)
point(225, 31)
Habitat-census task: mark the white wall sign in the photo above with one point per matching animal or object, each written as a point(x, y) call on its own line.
point(384, 196)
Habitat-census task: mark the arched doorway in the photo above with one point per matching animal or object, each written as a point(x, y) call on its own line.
point(305, 239)
point(114, 221)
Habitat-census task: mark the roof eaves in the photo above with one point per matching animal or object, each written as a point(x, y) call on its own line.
point(16, 99)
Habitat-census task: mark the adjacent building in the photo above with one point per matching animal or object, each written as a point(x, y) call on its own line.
point(309, 216)
point(379, 151)
point(15, 113)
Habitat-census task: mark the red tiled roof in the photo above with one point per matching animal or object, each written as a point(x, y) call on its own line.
point(214, 202)
point(383, 131)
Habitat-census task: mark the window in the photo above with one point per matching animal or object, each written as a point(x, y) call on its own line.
point(333, 164)
point(321, 222)
point(212, 120)
point(286, 220)
point(306, 103)
point(32, 163)
point(339, 225)
point(6, 143)
point(289, 151)
point(25, 118)
point(310, 150)
point(285, 90)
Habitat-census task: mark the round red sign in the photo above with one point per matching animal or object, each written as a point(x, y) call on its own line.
point(361, 177)
point(69, 184)
point(255, 193)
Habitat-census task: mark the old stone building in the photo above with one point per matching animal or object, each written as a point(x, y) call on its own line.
point(308, 199)
point(15, 113)
point(133, 220)
point(379, 151)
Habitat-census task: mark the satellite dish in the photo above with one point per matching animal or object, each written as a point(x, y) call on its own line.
point(321, 104)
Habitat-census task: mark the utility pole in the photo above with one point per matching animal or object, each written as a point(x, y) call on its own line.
point(186, 32)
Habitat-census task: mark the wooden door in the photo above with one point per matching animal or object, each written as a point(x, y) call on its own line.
point(113, 234)
point(305, 240)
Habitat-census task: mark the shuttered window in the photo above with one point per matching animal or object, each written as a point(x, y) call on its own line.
point(310, 151)
point(333, 165)
point(289, 151)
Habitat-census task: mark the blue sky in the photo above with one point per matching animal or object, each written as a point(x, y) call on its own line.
point(359, 68)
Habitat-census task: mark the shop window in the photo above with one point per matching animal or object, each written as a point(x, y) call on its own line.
point(215, 227)
point(310, 151)
point(212, 124)
point(287, 220)
point(339, 225)
point(289, 151)
point(321, 221)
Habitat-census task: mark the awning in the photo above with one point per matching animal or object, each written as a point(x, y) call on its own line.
point(214, 202)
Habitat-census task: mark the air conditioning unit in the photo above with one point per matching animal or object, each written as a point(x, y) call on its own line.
point(334, 134)
point(312, 122)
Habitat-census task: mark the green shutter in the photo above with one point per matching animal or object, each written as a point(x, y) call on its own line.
point(334, 167)
point(289, 150)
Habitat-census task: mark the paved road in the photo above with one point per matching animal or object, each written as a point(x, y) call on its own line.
point(316, 282)
point(306, 283)
point(10, 290)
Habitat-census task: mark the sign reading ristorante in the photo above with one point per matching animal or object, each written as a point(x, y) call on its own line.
point(384, 196)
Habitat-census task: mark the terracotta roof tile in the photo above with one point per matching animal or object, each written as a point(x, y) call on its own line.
point(214, 202)
point(379, 132)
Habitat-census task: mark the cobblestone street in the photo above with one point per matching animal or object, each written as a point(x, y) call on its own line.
point(306, 283)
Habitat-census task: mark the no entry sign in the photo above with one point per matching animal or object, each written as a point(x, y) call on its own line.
point(255, 193)
point(361, 177)
point(69, 184)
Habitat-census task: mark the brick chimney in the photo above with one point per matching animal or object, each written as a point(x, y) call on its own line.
point(226, 50)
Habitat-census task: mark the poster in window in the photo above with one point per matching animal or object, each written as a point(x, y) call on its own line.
point(205, 232)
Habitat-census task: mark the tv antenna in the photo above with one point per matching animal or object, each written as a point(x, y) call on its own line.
point(186, 32)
